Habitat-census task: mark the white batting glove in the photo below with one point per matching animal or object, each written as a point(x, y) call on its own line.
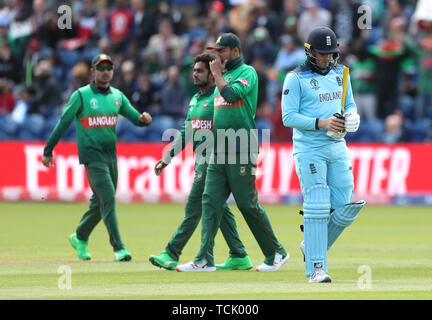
point(352, 122)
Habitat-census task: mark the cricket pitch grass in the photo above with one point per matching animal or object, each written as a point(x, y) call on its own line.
point(385, 254)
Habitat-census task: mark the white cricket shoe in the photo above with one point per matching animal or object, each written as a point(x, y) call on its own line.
point(195, 267)
point(279, 260)
point(319, 276)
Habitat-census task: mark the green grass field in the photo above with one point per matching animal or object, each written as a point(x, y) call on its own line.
point(393, 242)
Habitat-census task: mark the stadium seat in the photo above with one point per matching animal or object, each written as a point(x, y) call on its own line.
point(420, 130)
point(159, 125)
point(8, 126)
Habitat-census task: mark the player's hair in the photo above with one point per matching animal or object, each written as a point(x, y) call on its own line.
point(205, 58)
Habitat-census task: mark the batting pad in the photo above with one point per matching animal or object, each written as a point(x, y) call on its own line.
point(316, 211)
point(342, 218)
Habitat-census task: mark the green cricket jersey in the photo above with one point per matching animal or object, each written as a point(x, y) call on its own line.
point(199, 117)
point(96, 114)
point(235, 106)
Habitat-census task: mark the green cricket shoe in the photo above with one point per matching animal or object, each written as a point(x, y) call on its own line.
point(163, 261)
point(122, 255)
point(233, 263)
point(80, 247)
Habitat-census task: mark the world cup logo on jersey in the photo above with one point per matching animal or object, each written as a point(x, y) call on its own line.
point(94, 104)
point(314, 83)
point(116, 103)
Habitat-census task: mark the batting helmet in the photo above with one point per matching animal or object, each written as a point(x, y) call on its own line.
point(322, 40)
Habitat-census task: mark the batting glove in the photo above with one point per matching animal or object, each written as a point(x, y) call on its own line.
point(352, 122)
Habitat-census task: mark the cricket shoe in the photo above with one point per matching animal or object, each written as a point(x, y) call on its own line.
point(80, 247)
point(122, 255)
point(278, 261)
point(163, 261)
point(233, 263)
point(319, 276)
point(195, 267)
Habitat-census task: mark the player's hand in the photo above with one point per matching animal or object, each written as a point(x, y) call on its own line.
point(217, 66)
point(352, 122)
point(159, 166)
point(48, 161)
point(145, 118)
point(332, 124)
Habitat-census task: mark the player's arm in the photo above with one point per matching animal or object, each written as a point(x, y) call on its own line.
point(291, 116)
point(132, 114)
point(72, 108)
point(240, 87)
point(179, 143)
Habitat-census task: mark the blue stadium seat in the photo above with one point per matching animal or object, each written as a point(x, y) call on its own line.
point(263, 124)
point(420, 130)
point(8, 126)
point(158, 126)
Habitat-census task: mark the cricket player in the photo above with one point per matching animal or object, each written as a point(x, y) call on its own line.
point(95, 109)
point(199, 121)
point(232, 166)
point(317, 101)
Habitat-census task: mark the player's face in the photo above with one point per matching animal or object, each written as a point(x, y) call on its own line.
point(323, 60)
point(103, 73)
point(200, 74)
point(225, 54)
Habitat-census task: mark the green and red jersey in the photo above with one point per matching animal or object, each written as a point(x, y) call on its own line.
point(95, 112)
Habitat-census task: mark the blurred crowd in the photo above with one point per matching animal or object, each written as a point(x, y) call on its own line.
point(46, 47)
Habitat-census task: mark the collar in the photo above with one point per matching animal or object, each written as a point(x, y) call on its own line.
point(234, 63)
point(318, 70)
point(99, 90)
point(208, 93)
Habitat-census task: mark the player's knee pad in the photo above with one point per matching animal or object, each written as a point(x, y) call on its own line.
point(316, 202)
point(345, 215)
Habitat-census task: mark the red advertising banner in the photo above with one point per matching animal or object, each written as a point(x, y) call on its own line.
point(382, 173)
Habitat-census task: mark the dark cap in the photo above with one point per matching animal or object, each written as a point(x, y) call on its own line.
point(226, 40)
point(100, 58)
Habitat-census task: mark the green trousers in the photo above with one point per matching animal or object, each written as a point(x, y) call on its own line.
point(238, 179)
point(193, 212)
point(102, 178)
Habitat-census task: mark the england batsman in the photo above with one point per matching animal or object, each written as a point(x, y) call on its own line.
point(232, 167)
point(317, 101)
point(199, 123)
point(95, 109)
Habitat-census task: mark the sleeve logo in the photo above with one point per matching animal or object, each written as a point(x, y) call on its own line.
point(244, 81)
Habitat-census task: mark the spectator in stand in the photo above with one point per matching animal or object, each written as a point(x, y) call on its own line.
point(290, 55)
point(47, 99)
point(9, 65)
point(164, 39)
point(22, 103)
point(30, 60)
point(345, 17)
point(290, 16)
point(266, 18)
point(144, 21)
point(121, 26)
point(173, 97)
point(7, 98)
point(146, 96)
point(314, 16)
point(259, 45)
point(127, 79)
point(394, 131)
point(363, 84)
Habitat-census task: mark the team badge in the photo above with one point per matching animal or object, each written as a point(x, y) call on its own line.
point(339, 81)
point(314, 83)
point(116, 103)
point(205, 105)
point(243, 171)
point(94, 104)
point(199, 175)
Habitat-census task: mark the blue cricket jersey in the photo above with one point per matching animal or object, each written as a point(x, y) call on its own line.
point(308, 96)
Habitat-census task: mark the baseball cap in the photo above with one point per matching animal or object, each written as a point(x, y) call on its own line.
point(101, 57)
point(226, 40)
